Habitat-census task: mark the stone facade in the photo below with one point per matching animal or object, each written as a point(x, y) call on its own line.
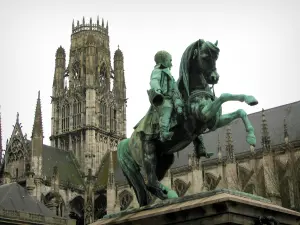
point(78, 175)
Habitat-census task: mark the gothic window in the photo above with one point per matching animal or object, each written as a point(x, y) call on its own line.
point(65, 111)
point(15, 151)
point(113, 119)
point(76, 114)
point(76, 70)
point(125, 199)
point(181, 187)
point(66, 79)
point(102, 118)
point(102, 75)
point(211, 181)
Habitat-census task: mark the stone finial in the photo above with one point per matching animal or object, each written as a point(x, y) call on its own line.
point(229, 146)
point(285, 130)
point(83, 21)
point(102, 22)
point(97, 20)
point(265, 137)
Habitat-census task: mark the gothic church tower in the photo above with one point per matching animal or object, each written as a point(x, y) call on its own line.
point(89, 96)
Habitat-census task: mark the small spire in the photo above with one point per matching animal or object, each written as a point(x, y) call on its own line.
point(91, 21)
point(229, 146)
point(219, 148)
point(77, 23)
point(118, 47)
point(97, 20)
point(285, 130)
point(17, 120)
point(265, 138)
point(111, 175)
point(107, 24)
point(37, 130)
point(102, 22)
point(73, 25)
point(83, 21)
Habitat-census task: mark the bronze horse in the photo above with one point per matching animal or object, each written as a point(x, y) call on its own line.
point(203, 113)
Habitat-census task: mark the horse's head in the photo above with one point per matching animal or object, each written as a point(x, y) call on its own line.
point(205, 56)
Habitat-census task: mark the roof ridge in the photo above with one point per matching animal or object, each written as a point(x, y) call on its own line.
point(276, 107)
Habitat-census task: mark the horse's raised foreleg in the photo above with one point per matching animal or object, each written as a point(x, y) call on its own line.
point(228, 118)
point(150, 161)
point(211, 109)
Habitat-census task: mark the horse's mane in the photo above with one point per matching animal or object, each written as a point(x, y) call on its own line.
point(183, 81)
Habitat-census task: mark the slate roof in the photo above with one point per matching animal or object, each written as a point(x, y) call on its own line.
point(67, 165)
point(102, 174)
point(275, 120)
point(15, 197)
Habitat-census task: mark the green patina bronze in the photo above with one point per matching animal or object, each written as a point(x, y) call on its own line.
point(180, 113)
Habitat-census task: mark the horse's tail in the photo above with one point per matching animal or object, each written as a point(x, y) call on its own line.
point(132, 172)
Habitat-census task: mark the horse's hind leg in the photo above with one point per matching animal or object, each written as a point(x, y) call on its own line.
point(150, 163)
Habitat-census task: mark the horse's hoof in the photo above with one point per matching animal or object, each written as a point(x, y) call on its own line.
point(172, 194)
point(209, 154)
point(251, 100)
point(251, 139)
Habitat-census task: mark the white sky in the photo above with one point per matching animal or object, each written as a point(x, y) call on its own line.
point(259, 43)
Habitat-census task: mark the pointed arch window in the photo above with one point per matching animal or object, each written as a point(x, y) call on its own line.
point(113, 119)
point(76, 114)
point(181, 187)
point(65, 112)
point(125, 199)
point(102, 76)
point(102, 118)
point(76, 70)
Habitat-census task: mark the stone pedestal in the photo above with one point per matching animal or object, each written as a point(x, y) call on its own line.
point(215, 207)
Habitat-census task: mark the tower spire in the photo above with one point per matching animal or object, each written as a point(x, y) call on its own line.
point(37, 130)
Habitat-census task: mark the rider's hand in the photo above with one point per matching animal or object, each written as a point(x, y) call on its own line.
point(179, 110)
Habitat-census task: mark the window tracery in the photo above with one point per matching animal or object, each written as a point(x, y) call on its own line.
point(181, 187)
point(76, 114)
point(16, 151)
point(102, 118)
point(113, 119)
point(125, 199)
point(65, 112)
point(102, 76)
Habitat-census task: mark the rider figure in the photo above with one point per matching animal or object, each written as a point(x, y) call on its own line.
point(162, 83)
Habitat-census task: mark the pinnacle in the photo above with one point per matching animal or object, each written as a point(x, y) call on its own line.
point(37, 130)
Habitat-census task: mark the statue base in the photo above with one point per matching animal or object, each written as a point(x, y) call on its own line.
point(215, 207)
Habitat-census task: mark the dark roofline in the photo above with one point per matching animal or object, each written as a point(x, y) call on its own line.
point(276, 107)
